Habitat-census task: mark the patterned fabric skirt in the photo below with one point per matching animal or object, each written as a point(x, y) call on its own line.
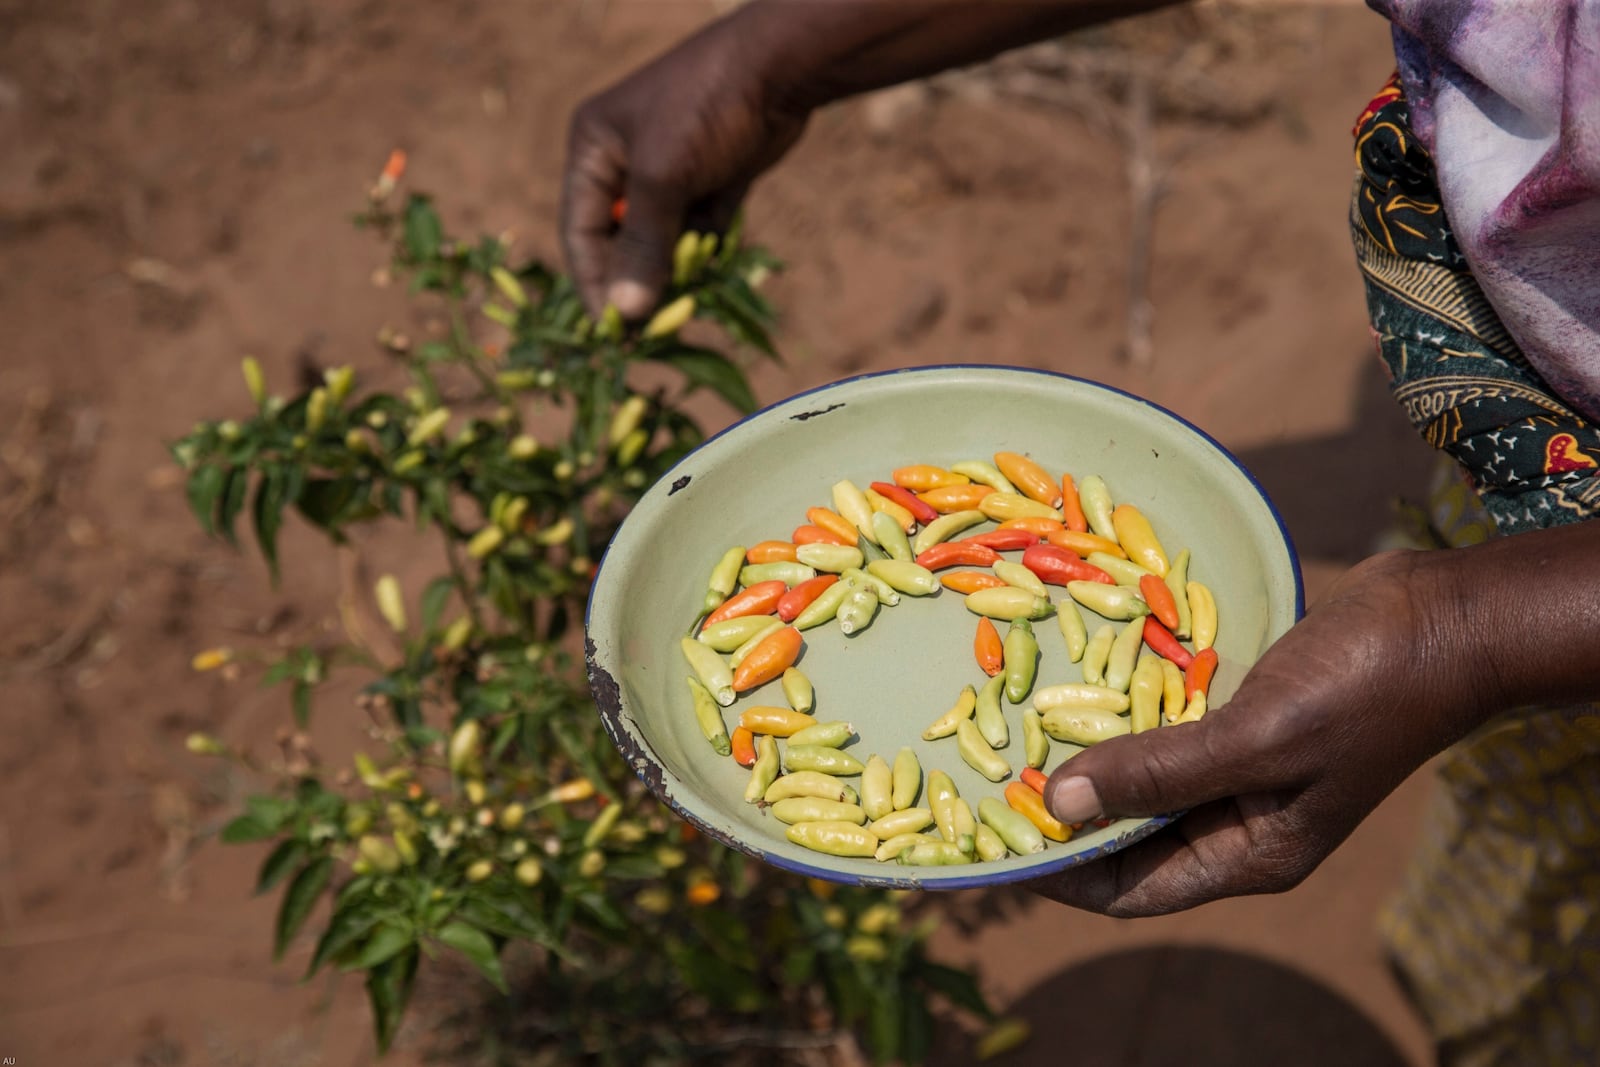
point(1496, 930)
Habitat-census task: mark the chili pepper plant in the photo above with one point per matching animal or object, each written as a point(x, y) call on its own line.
point(489, 809)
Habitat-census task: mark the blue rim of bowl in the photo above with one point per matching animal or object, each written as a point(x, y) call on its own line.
point(644, 761)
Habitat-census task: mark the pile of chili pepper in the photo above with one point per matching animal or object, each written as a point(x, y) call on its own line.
point(911, 536)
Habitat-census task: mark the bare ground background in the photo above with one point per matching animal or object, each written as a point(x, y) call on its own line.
point(174, 183)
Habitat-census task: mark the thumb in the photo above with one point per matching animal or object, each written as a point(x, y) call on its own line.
point(1173, 768)
point(641, 253)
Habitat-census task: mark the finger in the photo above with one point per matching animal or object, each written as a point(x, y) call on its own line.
point(641, 251)
point(1221, 849)
point(1166, 770)
point(592, 184)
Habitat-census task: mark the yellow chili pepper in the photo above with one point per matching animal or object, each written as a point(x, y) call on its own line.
point(1021, 577)
point(797, 689)
point(1177, 580)
point(1116, 602)
point(806, 784)
point(988, 715)
point(428, 427)
point(823, 759)
point(941, 801)
point(708, 715)
point(1012, 827)
point(943, 528)
point(1080, 695)
point(891, 534)
point(1124, 654)
point(626, 419)
point(984, 473)
point(1196, 709)
point(669, 319)
point(1073, 632)
point(462, 752)
point(904, 576)
point(765, 770)
point(907, 778)
point(316, 409)
point(850, 502)
point(210, 659)
point(485, 542)
point(1144, 694)
point(935, 854)
point(713, 672)
point(833, 734)
point(1123, 571)
point(817, 809)
point(1035, 745)
point(904, 821)
point(898, 514)
point(831, 559)
point(1171, 691)
point(892, 847)
point(254, 380)
point(945, 725)
point(1083, 726)
point(1003, 507)
point(391, 602)
point(877, 788)
point(977, 754)
point(1138, 539)
point(965, 823)
point(833, 838)
point(1202, 616)
point(1009, 602)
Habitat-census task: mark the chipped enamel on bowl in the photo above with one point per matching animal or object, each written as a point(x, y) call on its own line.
point(754, 482)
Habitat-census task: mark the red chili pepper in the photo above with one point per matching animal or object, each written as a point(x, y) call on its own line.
point(744, 746)
point(619, 209)
point(1034, 779)
point(792, 603)
point(1162, 643)
point(1002, 540)
point(1071, 509)
point(956, 554)
point(759, 599)
point(816, 535)
point(1162, 604)
point(1197, 676)
point(908, 500)
point(988, 648)
point(965, 582)
point(1057, 566)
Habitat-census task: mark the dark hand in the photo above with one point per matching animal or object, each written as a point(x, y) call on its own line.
point(1335, 715)
point(680, 140)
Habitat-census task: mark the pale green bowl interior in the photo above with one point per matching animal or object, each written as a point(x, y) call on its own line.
point(755, 481)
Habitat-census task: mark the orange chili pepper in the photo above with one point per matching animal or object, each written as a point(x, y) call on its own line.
point(1034, 779)
point(906, 499)
point(1033, 524)
point(1197, 676)
point(965, 582)
point(1003, 540)
point(771, 552)
point(955, 554)
point(1084, 543)
point(702, 894)
point(1162, 643)
point(744, 747)
point(1159, 596)
point(394, 169)
point(988, 648)
point(1071, 508)
point(834, 523)
point(767, 660)
point(919, 478)
point(1031, 804)
point(948, 498)
point(759, 599)
point(1029, 477)
point(796, 600)
point(816, 535)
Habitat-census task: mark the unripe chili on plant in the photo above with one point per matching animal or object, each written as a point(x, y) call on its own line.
point(391, 602)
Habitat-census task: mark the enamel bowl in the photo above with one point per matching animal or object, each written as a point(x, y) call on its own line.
point(754, 482)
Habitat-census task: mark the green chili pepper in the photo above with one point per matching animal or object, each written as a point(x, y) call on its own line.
point(1144, 694)
point(712, 670)
point(887, 594)
point(729, 634)
point(907, 778)
point(1083, 726)
point(709, 716)
point(797, 690)
point(1013, 827)
point(905, 821)
point(1072, 630)
point(945, 725)
point(827, 734)
point(1122, 571)
point(1177, 580)
point(765, 769)
point(834, 559)
point(785, 571)
point(806, 784)
point(1095, 653)
point(977, 753)
point(816, 809)
point(859, 607)
point(683, 257)
point(825, 607)
point(1022, 653)
point(1124, 654)
point(818, 758)
point(1080, 695)
point(990, 718)
point(1008, 602)
point(984, 474)
point(726, 572)
point(934, 854)
point(1016, 574)
point(904, 576)
point(753, 640)
point(891, 538)
point(833, 838)
point(877, 788)
point(1116, 602)
point(1095, 499)
point(988, 845)
point(945, 527)
point(894, 846)
point(1035, 745)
